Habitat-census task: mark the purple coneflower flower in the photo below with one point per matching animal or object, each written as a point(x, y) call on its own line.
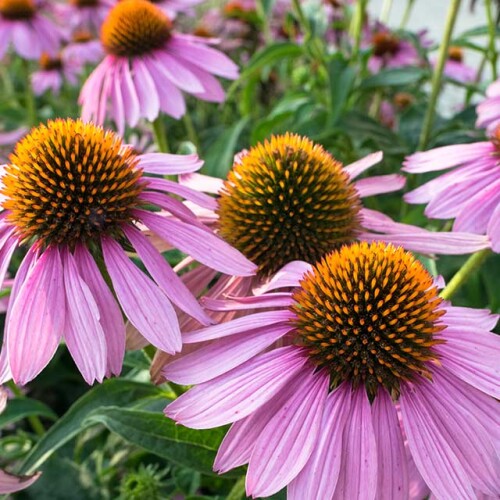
point(455, 67)
point(173, 7)
point(53, 72)
point(83, 48)
point(85, 14)
point(147, 65)
point(315, 387)
point(27, 30)
point(72, 195)
point(488, 111)
point(470, 193)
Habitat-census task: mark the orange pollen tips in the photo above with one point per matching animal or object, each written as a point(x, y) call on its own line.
point(384, 44)
point(134, 28)
point(70, 181)
point(287, 199)
point(48, 63)
point(17, 9)
point(455, 53)
point(369, 313)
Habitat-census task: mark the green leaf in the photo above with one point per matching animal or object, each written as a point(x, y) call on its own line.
point(114, 392)
point(160, 435)
point(341, 77)
point(394, 77)
point(219, 157)
point(20, 408)
point(269, 55)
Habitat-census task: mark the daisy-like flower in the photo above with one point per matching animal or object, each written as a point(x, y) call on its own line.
point(488, 111)
point(469, 193)
point(147, 66)
point(72, 195)
point(320, 389)
point(27, 30)
point(85, 14)
point(53, 72)
point(455, 67)
point(83, 48)
point(173, 7)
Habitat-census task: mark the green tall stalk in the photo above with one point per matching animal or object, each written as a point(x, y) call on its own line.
point(406, 13)
point(160, 135)
point(492, 52)
point(386, 10)
point(29, 96)
point(357, 23)
point(437, 76)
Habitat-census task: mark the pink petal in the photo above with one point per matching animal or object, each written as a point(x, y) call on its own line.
point(144, 303)
point(468, 316)
point(37, 318)
point(380, 184)
point(358, 167)
point(146, 91)
point(244, 303)
point(10, 483)
point(201, 182)
point(288, 276)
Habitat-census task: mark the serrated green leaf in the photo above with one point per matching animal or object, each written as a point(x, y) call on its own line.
point(20, 408)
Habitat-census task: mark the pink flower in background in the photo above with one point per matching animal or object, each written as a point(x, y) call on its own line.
point(83, 48)
point(84, 14)
point(53, 72)
point(147, 66)
point(456, 69)
point(27, 30)
point(72, 195)
point(173, 7)
point(488, 111)
point(469, 193)
point(322, 384)
point(8, 140)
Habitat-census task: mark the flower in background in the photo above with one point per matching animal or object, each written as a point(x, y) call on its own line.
point(147, 66)
point(30, 33)
point(83, 48)
point(72, 195)
point(456, 69)
point(8, 140)
point(488, 111)
point(84, 14)
point(469, 193)
point(315, 387)
point(53, 72)
point(173, 7)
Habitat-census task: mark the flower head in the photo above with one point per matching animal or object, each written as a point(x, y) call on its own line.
point(334, 374)
point(73, 195)
point(455, 67)
point(84, 14)
point(53, 72)
point(83, 48)
point(469, 193)
point(488, 111)
point(23, 26)
point(147, 65)
point(173, 7)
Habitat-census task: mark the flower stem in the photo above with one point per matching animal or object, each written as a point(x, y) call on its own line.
point(238, 490)
point(406, 14)
point(34, 421)
point(438, 74)
point(160, 135)
point(357, 26)
point(386, 9)
point(492, 53)
point(472, 264)
point(29, 96)
point(191, 132)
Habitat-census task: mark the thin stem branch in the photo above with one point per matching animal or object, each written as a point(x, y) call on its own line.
point(160, 135)
point(472, 264)
point(34, 421)
point(386, 10)
point(190, 130)
point(407, 13)
point(238, 490)
point(492, 53)
point(357, 26)
point(437, 76)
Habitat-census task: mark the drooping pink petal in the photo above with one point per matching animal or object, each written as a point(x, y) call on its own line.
point(203, 246)
point(37, 319)
point(290, 275)
point(379, 184)
point(358, 470)
point(130, 96)
point(84, 334)
point(285, 445)
point(147, 93)
point(110, 314)
point(144, 303)
point(358, 167)
point(244, 303)
point(468, 316)
point(201, 182)
point(10, 483)
point(392, 469)
point(238, 393)
point(320, 475)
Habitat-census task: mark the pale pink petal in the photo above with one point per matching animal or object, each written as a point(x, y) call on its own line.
point(202, 182)
point(178, 73)
point(379, 184)
point(468, 316)
point(358, 167)
point(10, 483)
point(130, 97)
point(493, 229)
point(144, 303)
point(290, 275)
point(146, 91)
point(238, 393)
point(245, 303)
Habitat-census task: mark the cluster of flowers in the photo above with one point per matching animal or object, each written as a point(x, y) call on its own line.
point(299, 315)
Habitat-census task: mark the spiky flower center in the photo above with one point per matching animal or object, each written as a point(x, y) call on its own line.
point(81, 36)
point(48, 63)
point(455, 53)
point(85, 3)
point(135, 27)
point(17, 10)
point(369, 313)
point(384, 44)
point(288, 199)
point(70, 181)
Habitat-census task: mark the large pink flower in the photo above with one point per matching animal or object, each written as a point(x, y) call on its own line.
point(469, 193)
point(147, 66)
point(488, 111)
point(72, 196)
point(323, 386)
point(30, 33)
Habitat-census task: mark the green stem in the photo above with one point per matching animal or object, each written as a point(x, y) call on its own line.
point(386, 9)
point(34, 421)
point(471, 265)
point(160, 135)
point(29, 96)
point(406, 14)
point(238, 490)
point(492, 53)
point(438, 74)
point(357, 26)
point(191, 132)
point(302, 18)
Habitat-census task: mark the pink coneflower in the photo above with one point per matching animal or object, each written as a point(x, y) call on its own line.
point(83, 48)
point(146, 67)
point(173, 7)
point(488, 111)
point(470, 193)
point(27, 30)
point(455, 67)
point(312, 387)
point(53, 72)
point(85, 14)
point(73, 195)
point(10, 483)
